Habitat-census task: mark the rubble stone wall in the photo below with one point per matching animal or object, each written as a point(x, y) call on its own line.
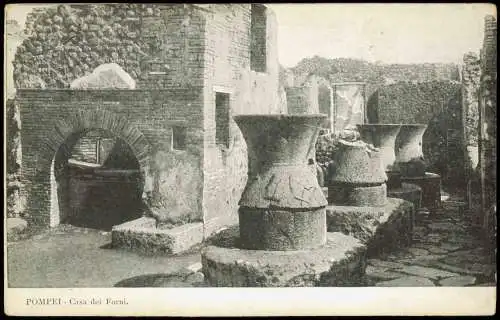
point(488, 119)
point(437, 104)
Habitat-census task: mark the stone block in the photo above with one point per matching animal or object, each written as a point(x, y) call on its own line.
point(431, 188)
point(360, 196)
point(380, 228)
point(15, 228)
point(409, 192)
point(142, 235)
point(341, 262)
point(263, 229)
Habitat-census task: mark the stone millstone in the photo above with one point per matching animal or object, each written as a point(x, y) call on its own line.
point(262, 229)
point(409, 192)
point(431, 188)
point(340, 262)
point(380, 228)
point(358, 196)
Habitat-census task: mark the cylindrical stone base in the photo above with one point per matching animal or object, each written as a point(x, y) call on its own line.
point(282, 230)
point(409, 192)
point(340, 262)
point(431, 189)
point(366, 196)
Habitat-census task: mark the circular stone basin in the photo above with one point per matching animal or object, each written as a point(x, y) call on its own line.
point(340, 262)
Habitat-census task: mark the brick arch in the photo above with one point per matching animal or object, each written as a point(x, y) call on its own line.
point(63, 135)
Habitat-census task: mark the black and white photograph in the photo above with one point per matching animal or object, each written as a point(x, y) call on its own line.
point(245, 145)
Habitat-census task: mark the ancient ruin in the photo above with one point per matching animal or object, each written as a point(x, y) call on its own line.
point(166, 130)
point(412, 165)
point(357, 200)
point(282, 238)
point(383, 136)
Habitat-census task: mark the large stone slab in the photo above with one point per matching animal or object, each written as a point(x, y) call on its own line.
point(341, 262)
point(380, 228)
point(408, 281)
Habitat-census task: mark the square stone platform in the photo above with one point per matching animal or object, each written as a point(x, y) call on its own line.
point(142, 235)
point(340, 262)
point(382, 229)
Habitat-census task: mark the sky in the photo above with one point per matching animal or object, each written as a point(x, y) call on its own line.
point(387, 33)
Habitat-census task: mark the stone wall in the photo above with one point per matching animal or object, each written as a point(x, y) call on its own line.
point(471, 74)
point(228, 71)
point(488, 121)
point(53, 120)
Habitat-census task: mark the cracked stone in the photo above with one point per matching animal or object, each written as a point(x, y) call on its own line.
point(456, 269)
point(407, 281)
point(436, 250)
point(459, 281)
point(418, 251)
point(449, 246)
point(381, 273)
point(426, 272)
point(444, 226)
point(384, 264)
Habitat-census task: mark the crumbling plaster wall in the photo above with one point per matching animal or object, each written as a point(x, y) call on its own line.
point(227, 70)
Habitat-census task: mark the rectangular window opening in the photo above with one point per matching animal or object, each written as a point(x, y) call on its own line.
point(178, 138)
point(258, 43)
point(222, 109)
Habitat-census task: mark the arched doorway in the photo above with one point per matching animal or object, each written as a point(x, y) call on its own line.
point(96, 181)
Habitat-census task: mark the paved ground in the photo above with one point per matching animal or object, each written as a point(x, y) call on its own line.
point(75, 257)
point(445, 252)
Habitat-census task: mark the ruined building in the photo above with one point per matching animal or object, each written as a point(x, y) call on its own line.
point(205, 63)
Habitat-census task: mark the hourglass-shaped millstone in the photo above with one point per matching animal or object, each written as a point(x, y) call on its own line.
point(359, 177)
point(383, 136)
point(282, 206)
point(409, 155)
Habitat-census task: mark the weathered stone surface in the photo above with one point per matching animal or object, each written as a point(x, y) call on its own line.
point(264, 229)
point(105, 76)
point(385, 264)
point(142, 235)
point(426, 272)
point(418, 251)
point(409, 192)
point(445, 226)
point(357, 165)
point(382, 136)
point(460, 281)
point(341, 262)
point(358, 196)
point(408, 281)
point(409, 142)
point(431, 188)
point(278, 173)
point(381, 273)
point(381, 228)
point(15, 228)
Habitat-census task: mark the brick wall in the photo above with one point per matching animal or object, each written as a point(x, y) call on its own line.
point(227, 70)
point(143, 119)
